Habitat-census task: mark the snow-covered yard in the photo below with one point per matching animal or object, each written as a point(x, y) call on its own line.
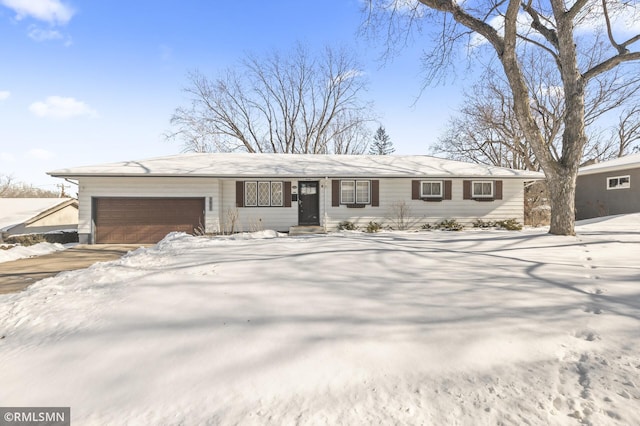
point(473, 328)
point(22, 252)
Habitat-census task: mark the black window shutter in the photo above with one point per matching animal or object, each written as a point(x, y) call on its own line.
point(375, 193)
point(287, 194)
point(497, 190)
point(415, 189)
point(335, 193)
point(447, 190)
point(239, 193)
point(466, 189)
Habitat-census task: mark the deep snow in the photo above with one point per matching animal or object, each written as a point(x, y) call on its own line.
point(22, 252)
point(473, 327)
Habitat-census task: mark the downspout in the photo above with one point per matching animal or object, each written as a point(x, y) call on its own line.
point(325, 215)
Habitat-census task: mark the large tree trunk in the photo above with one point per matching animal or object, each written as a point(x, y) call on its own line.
point(562, 192)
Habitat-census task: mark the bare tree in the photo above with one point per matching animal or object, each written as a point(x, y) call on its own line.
point(485, 129)
point(628, 131)
point(5, 184)
point(9, 188)
point(295, 103)
point(512, 28)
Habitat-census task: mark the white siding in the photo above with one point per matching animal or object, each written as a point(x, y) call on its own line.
point(395, 191)
point(255, 218)
point(147, 187)
point(223, 193)
point(392, 192)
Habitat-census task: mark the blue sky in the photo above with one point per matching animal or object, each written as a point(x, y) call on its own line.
point(85, 82)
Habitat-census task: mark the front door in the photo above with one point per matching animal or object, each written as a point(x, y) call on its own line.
point(308, 204)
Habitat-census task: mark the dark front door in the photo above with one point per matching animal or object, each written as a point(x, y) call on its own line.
point(308, 204)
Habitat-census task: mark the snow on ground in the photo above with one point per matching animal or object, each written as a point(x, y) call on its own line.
point(469, 328)
point(21, 252)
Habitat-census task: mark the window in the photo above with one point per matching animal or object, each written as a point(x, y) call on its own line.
point(362, 192)
point(619, 182)
point(276, 194)
point(482, 189)
point(430, 189)
point(251, 194)
point(355, 192)
point(263, 194)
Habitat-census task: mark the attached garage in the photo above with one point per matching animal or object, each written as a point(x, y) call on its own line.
point(144, 220)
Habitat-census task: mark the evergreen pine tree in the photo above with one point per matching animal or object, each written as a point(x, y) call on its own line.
point(381, 144)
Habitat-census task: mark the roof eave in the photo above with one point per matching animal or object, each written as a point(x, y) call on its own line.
point(77, 176)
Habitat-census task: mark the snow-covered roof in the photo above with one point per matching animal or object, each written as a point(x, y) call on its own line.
point(14, 211)
point(622, 163)
point(231, 165)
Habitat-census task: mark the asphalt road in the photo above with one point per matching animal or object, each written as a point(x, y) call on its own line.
point(19, 274)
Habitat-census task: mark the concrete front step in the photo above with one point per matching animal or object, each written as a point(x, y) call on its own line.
point(306, 230)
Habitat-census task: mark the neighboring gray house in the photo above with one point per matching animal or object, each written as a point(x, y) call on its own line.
point(141, 201)
point(37, 215)
point(609, 188)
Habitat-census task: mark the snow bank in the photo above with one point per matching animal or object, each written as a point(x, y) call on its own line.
point(21, 252)
point(478, 328)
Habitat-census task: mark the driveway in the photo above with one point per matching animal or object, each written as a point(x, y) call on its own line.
point(19, 274)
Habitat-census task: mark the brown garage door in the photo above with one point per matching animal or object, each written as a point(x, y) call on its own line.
point(145, 220)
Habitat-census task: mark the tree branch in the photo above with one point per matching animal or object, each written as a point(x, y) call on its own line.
point(469, 21)
point(621, 49)
point(549, 34)
point(610, 64)
point(576, 8)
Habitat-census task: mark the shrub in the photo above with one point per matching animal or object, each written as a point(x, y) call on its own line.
point(26, 239)
point(479, 223)
point(52, 237)
point(426, 227)
point(449, 225)
point(347, 226)
point(400, 215)
point(509, 224)
point(373, 227)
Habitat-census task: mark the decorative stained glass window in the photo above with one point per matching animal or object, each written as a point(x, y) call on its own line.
point(276, 193)
point(250, 194)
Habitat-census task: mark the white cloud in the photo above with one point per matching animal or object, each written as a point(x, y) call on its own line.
point(61, 108)
point(4, 94)
point(625, 19)
point(40, 154)
point(51, 11)
point(38, 34)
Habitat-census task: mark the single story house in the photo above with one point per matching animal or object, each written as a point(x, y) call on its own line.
point(608, 188)
point(37, 215)
point(141, 201)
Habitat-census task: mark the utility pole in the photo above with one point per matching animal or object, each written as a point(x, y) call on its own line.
point(62, 186)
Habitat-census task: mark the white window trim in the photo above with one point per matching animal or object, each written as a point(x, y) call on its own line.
point(257, 184)
point(368, 182)
point(619, 186)
point(342, 191)
point(246, 203)
point(281, 194)
point(355, 191)
point(473, 185)
point(268, 203)
point(422, 195)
